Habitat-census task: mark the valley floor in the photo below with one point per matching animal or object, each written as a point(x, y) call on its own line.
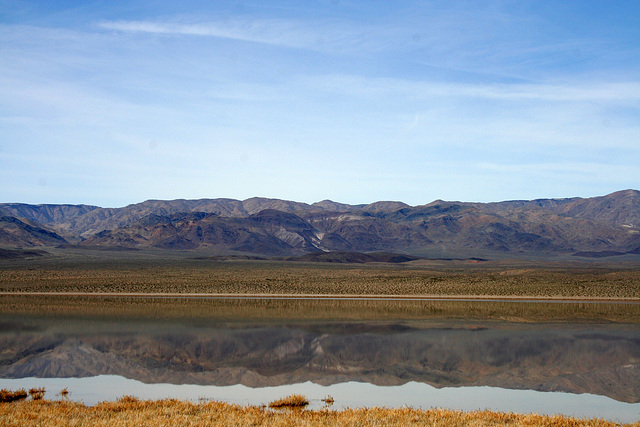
point(117, 283)
point(95, 272)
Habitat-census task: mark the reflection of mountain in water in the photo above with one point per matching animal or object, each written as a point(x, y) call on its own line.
point(594, 359)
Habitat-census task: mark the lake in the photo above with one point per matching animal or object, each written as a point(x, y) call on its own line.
point(261, 351)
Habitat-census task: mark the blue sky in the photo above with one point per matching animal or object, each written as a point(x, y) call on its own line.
point(354, 101)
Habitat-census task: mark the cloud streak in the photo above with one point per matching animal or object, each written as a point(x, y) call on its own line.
point(614, 92)
point(319, 36)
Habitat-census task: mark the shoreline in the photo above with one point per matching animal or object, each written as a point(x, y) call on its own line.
point(356, 297)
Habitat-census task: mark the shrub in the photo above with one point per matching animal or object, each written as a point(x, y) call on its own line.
point(37, 393)
point(293, 401)
point(12, 396)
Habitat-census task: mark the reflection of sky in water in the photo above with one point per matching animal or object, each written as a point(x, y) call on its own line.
point(350, 394)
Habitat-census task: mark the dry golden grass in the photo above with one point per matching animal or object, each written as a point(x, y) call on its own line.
point(133, 412)
point(293, 401)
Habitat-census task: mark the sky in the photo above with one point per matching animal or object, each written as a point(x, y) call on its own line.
point(112, 103)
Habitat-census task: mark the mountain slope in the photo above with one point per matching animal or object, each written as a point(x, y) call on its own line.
point(45, 214)
point(619, 208)
point(269, 232)
point(515, 227)
point(110, 218)
point(20, 233)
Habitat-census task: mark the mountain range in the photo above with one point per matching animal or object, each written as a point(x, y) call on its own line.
point(589, 227)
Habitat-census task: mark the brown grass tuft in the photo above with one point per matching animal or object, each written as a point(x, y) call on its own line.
point(12, 396)
point(64, 393)
point(37, 393)
point(293, 401)
point(128, 400)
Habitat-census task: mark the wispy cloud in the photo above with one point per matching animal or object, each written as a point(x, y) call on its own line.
point(321, 36)
point(615, 92)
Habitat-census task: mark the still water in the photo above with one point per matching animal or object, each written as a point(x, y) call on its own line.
point(585, 369)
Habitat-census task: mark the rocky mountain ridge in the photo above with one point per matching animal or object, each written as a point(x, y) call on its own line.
point(597, 226)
